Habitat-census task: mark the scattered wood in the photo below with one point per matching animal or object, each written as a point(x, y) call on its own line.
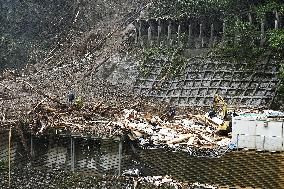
point(43, 94)
point(181, 138)
point(49, 109)
point(204, 120)
point(186, 130)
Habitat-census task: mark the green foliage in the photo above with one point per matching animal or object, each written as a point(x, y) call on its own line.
point(281, 75)
point(173, 55)
point(269, 6)
point(148, 56)
point(275, 41)
point(279, 98)
point(185, 8)
point(207, 9)
point(241, 42)
point(3, 165)
point(241, 38)
point(79, 102)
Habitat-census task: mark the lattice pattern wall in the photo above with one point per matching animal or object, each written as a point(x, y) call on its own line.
point(241, 84)
point(245, 169)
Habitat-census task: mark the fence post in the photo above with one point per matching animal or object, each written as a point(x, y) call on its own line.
point(169, 33)
point(72, 155)
point(212, 36)
point(120, 156)
point(189, 35)
point(178, 35)
point(136, 31)
point(201, 36)
point(9, 151)
point(276, 24)
point(223, 34)
point(262, 38)
point(150, 35)
point(140, 33)
point(250, 18)
point(277, 21)
point(159, 31)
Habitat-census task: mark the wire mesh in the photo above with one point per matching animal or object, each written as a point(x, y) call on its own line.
point(244, 169)
point(112, 157)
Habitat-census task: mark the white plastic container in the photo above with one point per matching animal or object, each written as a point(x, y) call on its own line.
point(258, 133)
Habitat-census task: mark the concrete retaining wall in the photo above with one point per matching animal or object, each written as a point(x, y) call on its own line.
point(241, 84)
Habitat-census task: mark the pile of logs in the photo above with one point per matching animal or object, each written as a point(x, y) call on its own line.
point(183, 130)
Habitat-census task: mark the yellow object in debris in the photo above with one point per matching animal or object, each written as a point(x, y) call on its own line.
point(220, 108)
point(224, 126)
point(79, 102)
point(219, 101)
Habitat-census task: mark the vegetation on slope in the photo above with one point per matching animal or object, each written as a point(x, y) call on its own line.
point(243, 38)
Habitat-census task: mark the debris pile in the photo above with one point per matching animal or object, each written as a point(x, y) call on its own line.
point(151, 123)
point(178, 132)
point(28, 177)
point(159, 181)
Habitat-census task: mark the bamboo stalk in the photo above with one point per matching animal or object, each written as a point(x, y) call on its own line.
point(9, 161)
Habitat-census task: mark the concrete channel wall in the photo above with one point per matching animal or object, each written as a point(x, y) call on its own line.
point(70, 153)
point(77, 154)
point(238, 168)
point(4, 147)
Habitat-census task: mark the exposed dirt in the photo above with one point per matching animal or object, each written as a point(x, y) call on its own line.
point(86, 59)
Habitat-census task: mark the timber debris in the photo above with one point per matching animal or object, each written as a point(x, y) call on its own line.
point(152, 124)
point(181, 132)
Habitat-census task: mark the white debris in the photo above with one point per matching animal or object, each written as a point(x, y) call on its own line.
point(217, 120)
point(179, 132)
point(224, 142)
point(161, 181)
